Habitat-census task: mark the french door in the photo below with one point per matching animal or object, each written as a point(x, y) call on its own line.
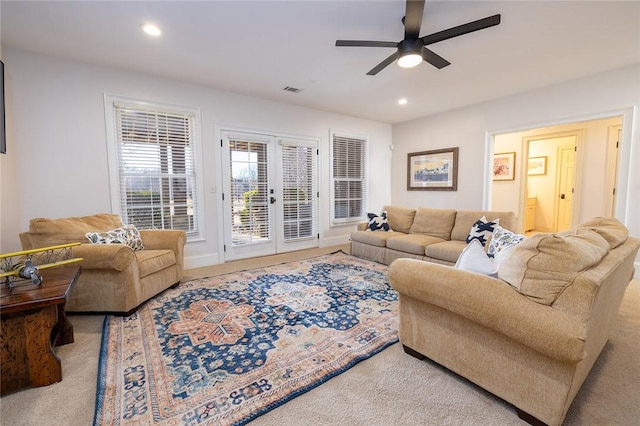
point(270, 194)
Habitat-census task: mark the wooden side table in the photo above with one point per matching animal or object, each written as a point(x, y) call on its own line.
point(33, 322)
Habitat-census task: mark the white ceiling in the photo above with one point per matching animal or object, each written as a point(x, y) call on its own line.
point(259, 47)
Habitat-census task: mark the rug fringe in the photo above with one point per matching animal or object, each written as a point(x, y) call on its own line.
point(102, 369)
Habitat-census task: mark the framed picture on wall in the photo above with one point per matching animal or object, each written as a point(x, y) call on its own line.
point(433, 170)
point(537, 166)
point(3, 136)
point(504, 166)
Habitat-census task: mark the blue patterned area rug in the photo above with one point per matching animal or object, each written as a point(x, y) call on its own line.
point(226, 349)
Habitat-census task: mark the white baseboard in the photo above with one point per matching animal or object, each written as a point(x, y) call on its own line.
point(334, 241)
point(201, 261)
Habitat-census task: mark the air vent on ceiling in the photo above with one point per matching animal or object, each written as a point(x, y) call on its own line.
point(292, 89)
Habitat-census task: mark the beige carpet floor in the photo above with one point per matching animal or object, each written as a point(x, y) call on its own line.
point(391, 388)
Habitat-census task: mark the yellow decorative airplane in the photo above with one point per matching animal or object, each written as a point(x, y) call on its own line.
point(25, 264)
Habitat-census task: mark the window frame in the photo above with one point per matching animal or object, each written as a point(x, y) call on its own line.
point(117, 207)
point(364, 179)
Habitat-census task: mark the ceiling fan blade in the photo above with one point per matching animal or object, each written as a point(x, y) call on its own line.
point(413, 18)
point(469, 27)
point(383, 64)
point(434, 59)
point(366, 43)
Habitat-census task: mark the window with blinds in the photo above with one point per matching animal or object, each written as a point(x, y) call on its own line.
point(348, 178)
point(156, 168)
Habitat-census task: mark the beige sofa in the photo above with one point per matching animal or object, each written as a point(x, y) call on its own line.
point(531, 335)
point(114, 278)
point(434, 235)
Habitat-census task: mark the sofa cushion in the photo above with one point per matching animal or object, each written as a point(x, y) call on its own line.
point(610, 228)
point(466, 218)
point(412, 243)
point(543, 265)
point(377, 239)
point(378, 223)
point(434, 222)
point(400, 218)
point(482, 230)
point(448, 251)
point(45, 232)
point(151, 261)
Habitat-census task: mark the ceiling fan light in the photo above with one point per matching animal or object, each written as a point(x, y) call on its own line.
point(151, 29)
point(409, 60)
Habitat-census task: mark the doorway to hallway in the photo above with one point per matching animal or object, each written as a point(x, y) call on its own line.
point(589, 177)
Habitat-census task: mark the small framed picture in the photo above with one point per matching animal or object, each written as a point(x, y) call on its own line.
point(504, 166)
point(433, 170)
point(537, 166)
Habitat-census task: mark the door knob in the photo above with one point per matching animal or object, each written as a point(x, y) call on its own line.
point(272, 200)
point(562, 196)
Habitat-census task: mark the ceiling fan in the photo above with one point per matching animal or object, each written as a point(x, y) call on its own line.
point(411, 50)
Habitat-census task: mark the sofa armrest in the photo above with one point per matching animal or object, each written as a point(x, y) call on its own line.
point(163, 239)
point(362, 226)
point(492, 303)
point(105, 256)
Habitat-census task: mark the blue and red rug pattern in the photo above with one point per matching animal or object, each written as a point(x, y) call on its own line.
point(226, 349)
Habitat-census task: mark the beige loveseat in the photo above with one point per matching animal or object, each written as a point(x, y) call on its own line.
point(114, 278)
point(531, 335)
point(434, 235)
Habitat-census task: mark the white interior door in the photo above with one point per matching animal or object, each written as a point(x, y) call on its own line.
point(566, 173)
point(270, 194)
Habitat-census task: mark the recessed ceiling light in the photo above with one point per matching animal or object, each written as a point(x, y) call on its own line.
point(151, 30)
point(402, 101)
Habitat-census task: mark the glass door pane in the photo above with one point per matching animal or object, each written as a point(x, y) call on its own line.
point(249, 226)
point(249, 192)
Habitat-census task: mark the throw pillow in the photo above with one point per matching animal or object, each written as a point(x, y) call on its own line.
point(503, 239)
point(482, 230)
point(127, 235)
point(134, 240)
point(474, 259)
point(378, 223)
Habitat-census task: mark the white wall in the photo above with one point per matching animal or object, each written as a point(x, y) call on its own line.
point(615, 92)
point(59, 142)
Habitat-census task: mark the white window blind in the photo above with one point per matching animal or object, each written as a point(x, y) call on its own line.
point(156, 168)
point(348, 177)
point(299, 191)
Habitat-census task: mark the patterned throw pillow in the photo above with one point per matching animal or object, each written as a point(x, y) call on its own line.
point(127, 235)
point(378, 223)
point(482, 230)
point(134, 240)
point(502, 240)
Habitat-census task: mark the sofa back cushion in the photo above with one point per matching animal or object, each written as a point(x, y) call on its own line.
point(543, 265)
point(466, 218)
point(610, 228)
point(433, 222)
point(45, 232)
point(399, 218)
